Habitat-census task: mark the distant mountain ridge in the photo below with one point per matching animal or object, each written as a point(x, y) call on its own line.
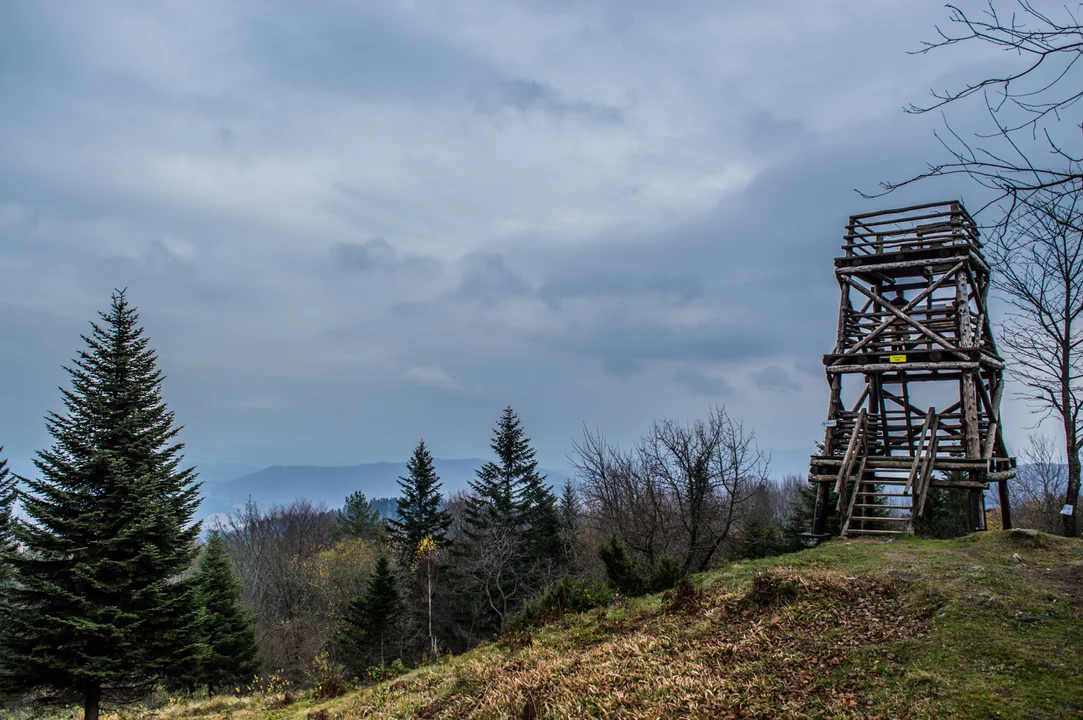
point(327, 484)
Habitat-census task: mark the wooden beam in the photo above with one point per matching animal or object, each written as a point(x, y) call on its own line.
point(903, 367)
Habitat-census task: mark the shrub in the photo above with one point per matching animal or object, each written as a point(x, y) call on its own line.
point(386, 671)
point(620, 568)
point(683, 598)
point(326, 678)
point(666, 573)
point(565, 596)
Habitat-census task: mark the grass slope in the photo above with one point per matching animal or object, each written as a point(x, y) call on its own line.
point(988, 626)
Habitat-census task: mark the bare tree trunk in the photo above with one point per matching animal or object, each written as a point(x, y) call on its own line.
point(1071, 495)
point(92, 702)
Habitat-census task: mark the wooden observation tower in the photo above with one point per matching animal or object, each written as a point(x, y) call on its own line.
point(915, 378)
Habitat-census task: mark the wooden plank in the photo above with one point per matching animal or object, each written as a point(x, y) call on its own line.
point(851, 455)
point(919, 455)
point(927, 474)
point(853, 497)
point(898, 211)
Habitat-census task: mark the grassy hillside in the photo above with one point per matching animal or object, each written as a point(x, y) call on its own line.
point(987, 626)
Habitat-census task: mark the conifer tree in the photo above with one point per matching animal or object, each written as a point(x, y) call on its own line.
point(544, 539)
point(102, 612)
point(570, 511)
point(372, 621)
point(508, 494)
point(359, 519)
point(7, 509)
point(227, 636)
point(7, 545)
point(419, 512)
point(512, 531)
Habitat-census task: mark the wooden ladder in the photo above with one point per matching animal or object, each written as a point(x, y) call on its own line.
point(902, 504)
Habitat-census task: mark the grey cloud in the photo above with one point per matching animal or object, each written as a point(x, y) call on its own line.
point(377, 254)
point(774, 379)
point(767, 133)
point(526, 96)
point(487, 278)
point(685, 286)
point(362, 51)
point(697, 383)
point(373, 254)
point(475, 135)
point(623, 344)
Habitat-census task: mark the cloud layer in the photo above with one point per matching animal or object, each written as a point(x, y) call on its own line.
point(353, 227)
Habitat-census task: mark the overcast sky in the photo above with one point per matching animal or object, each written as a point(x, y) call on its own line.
point(350, 225)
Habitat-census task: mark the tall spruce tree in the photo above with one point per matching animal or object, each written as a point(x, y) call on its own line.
point(227, 636)
point(372, 621)
point(509, 495)
point(103, 612)
point(512, 531)
point(419, 512)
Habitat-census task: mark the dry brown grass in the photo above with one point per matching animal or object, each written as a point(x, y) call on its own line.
point(825, 634)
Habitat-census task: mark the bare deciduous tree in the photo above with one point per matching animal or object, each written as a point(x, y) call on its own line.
point(680, 491)
point(1039, 271)
point(271, 551)
point(622, 497)
point(1039, 487)
point(1028, 151)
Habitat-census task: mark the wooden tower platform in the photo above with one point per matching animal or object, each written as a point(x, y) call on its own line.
point(915, 378)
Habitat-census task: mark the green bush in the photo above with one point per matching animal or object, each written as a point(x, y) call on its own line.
point(666, 573)
point(567, 595)
point(620, 568)
point(386, 671)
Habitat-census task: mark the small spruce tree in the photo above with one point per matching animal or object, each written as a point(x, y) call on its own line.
point(571, 520)
point(947, 510)
point(512, 532)
point(359, 519)
point(372, 621)
point(419, 513)
point(227, 636)
point(621, 569)
point(102, 610)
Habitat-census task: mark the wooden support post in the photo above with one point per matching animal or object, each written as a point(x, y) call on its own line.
point(969, 391)
point(977, 510)
point(1005, 505)
point(819, 517)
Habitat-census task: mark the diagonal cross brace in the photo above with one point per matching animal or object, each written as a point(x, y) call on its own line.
point(909, 306)
point(931, 334)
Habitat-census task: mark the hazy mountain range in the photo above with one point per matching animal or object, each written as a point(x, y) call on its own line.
point(229, 485)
